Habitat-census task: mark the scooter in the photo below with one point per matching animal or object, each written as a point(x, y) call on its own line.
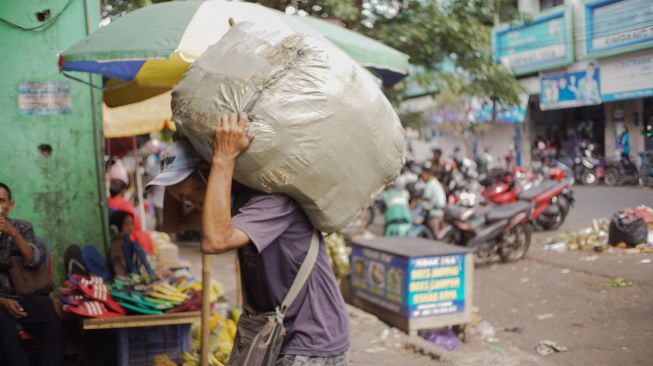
point(588, 170)
point(619, 171)
point(502, 230)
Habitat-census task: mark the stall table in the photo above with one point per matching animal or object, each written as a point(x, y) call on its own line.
point(139, 338)
point(412, 283)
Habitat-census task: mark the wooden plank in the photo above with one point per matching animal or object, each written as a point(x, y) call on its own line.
point(137, 321)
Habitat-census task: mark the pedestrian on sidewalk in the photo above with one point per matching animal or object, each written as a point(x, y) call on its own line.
point(272, 235)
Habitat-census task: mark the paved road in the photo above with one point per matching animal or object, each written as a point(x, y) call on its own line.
point(601, 324)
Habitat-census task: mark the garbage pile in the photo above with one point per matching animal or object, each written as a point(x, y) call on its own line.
point(630, 230)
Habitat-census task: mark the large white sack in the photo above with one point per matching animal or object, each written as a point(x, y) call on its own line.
point(325, 134)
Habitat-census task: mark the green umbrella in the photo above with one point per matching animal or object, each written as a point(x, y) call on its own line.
point(148, 51)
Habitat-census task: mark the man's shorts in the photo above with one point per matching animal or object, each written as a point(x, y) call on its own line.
point(292, 360)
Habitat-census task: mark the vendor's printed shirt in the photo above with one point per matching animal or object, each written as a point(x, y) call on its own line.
point(9, 248)
point(316, 323)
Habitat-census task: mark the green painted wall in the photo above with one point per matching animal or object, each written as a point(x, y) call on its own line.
point(60, 194)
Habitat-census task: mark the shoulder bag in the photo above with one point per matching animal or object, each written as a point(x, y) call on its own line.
point(259, 336)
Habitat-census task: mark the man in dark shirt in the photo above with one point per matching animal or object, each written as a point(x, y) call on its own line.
point(273, 235)
point(35, 312)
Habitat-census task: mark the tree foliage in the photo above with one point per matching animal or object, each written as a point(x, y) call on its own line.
point(432, 33)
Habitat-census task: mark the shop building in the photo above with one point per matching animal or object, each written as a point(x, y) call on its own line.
point(588, 69)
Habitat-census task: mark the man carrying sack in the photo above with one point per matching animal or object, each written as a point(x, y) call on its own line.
point(25, 283)
point(294, 312)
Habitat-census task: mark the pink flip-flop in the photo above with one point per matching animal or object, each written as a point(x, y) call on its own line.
point(91, 309)
point(100, 292)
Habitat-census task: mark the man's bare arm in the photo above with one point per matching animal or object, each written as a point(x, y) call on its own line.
point(229, 141)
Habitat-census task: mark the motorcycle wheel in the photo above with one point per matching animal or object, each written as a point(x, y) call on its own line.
point(611, 177)
point(516, 243)
point(589, 178)
point(551, 222)
point(563, 203)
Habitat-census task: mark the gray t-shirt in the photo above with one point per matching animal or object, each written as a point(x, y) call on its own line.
point(316, 323)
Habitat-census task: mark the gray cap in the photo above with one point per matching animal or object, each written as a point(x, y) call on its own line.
point(178, 162)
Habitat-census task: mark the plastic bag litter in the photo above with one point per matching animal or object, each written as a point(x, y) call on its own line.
point(547, 347)
point(325, 134)
point(485, 330)
point(446, 339)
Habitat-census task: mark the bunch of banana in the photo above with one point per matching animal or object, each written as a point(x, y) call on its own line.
point(190, 359)
point(163, 360)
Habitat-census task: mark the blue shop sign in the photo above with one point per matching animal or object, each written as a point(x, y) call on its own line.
point(545, 43)
point(409, 287)
point(617, 26)
point(570, 88)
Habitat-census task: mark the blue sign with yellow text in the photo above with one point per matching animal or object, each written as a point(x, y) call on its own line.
point(409, 287)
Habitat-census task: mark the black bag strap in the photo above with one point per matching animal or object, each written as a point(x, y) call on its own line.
point(302, 275)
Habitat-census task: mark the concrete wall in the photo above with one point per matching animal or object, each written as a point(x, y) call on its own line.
point(60, 193)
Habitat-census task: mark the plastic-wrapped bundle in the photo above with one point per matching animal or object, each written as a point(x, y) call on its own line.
point(325, 133)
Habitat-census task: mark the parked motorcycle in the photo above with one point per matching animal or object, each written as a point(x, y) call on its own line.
point(619, 172)
point(587, 169)
point(502, 230)
point(646, 168)
point(551, 199)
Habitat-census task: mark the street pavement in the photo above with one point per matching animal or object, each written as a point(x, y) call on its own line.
point(568, 298)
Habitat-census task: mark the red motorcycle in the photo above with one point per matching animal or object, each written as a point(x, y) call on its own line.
point(551, 199)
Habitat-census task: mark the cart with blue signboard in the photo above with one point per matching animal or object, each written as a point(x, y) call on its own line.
point(413, 283)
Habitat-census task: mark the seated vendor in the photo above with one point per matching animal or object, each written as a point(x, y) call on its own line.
point(126, 256)
point(34, 312)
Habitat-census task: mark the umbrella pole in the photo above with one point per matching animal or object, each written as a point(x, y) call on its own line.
point(206, 303)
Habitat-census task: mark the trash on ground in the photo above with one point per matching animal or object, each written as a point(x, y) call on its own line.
point(445, 338)
point(559, 247)
point(492, 347)
point(544, 316)
point(589, 258)
point(514, 330)
point(546, 348)
point(564, 271)
point(485, 330)
point(647, 260)
point(627, 230)
point(620, 282)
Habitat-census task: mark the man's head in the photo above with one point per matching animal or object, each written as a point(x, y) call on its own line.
point(181, 173)
point(122, 221)
point(437, 153)
point(117, 187)
point(426, 173)
point(6, 203)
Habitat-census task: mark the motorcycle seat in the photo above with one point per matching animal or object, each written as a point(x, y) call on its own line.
point(531, 193)
point(503, 212)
